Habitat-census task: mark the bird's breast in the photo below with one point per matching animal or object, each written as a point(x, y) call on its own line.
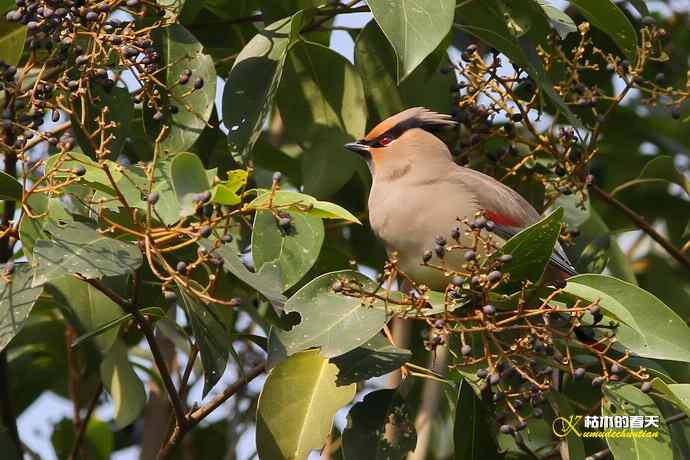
point(409, 217)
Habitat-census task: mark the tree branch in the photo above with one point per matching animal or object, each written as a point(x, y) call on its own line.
point(74, 453)
point(643, 225)
point(178, 406)
point(199, 414)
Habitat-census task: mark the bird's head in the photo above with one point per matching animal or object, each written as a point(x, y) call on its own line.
point(403, 138)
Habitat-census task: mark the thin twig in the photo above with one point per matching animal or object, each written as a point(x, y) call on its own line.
point(146, 328)
point(74, 453)
point(643, 225)
point(199, 414)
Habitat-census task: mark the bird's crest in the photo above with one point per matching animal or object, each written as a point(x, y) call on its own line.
point(416, 117)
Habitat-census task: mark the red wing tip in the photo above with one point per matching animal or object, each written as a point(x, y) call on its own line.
point(501, 219)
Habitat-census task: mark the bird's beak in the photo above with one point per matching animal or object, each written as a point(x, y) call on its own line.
point(359, 148)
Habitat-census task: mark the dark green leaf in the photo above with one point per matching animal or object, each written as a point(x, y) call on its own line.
point(97, 444)
point(622, 399)
point(297, 405)
point(10, 188)
point(332, 321)
point(532, 248)
point(471, 430)
point(153, 312)
point(321, 100)
point(17, 298)
point(76, 247)
point(120, 110)
point(369, 421)
point(374, 358)
point(123, 384)
point(414, 27)
point(649, 328)
point(211, 336)
point(182, 51)
point(661, 168)
point(253, 82)
point(605, 15)
point(88, 307)
point(594, 257)
point(572, 443)
point(289, 253)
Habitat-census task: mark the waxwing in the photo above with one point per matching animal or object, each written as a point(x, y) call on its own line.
point(419, 193)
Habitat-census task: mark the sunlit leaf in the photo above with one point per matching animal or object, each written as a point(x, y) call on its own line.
point(296, 407)
point(335, 322)
point(299, 202)
point(649, 328)
point(414, 27)
point(621, 399)
point(289, 252)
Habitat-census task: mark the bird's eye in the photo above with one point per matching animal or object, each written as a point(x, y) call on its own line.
point(385, 140)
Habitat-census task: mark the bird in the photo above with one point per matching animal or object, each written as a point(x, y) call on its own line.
point(419, 193)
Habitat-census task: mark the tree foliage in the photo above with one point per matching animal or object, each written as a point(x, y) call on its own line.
point(179, 219)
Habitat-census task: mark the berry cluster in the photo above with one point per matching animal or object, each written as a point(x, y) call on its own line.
point(513, 349)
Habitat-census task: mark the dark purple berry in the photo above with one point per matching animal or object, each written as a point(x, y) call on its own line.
point(646, 387)
point(489, 309)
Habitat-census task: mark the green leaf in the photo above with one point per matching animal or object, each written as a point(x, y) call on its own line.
point(182, 51)
point(595, 227)
point(369, 420)
point(253, 82)
point(559, 20)
point(471, 431)
point(268, 284)
point(296, 407)
point(374, 358)
point(414, 27)
point(10, 188)
point(621, 399)
point(76, 247)
point(188, 180)
point(299, 202)
point(376, 62)
point(88, 307)
point(485, 20)
point(12, 39)
point(677, 393)
point(227, 192)
point(532, 248)
point(659, 169)
point(605, 15)
point(17, 298)
point(321, 101)
point(153, 312)
point(562, 408)
point(332, 321)
point(649, 328)
point(210, 335)
point(97, 444)
point(123, 384)
point(289, 253)
point(595, 256)
point(120, 110)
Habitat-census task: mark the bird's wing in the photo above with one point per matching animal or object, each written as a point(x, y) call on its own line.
point(507, 209)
